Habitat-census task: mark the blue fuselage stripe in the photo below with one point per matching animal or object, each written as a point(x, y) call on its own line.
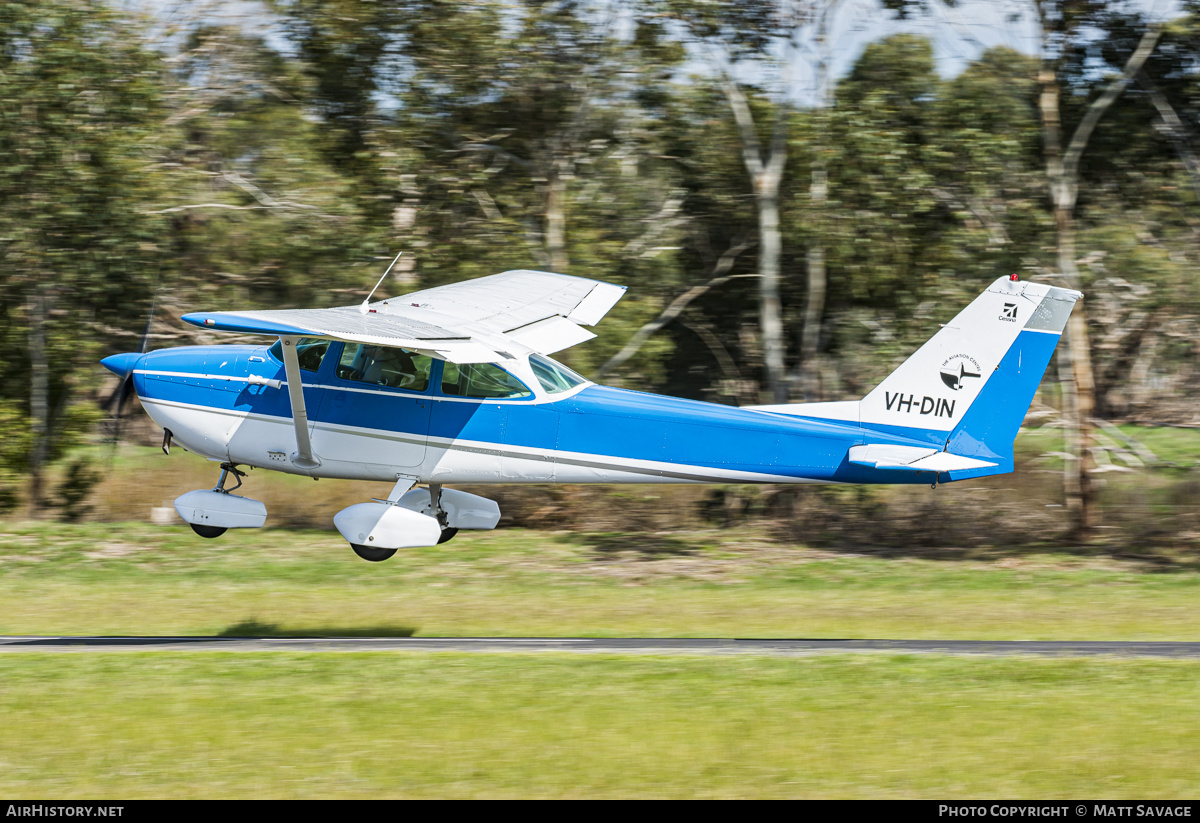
point(599, 420)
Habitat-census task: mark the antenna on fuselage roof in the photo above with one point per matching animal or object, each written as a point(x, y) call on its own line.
point(363, 308)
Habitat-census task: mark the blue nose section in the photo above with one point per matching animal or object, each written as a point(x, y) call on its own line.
point(121, 364)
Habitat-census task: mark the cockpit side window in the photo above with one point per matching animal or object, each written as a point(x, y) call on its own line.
point(481, 380)
point(385, 366)
point(310, 351)
point(554, 377)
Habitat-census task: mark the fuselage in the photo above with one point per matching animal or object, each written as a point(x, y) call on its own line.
point(231, 403)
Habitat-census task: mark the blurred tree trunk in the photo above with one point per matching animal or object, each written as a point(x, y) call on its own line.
point(675, 308)
point(807, 382)
point(39, 403)
point(556, 215)
point(1172, 125)
point(1075, 362)
point(814, 306)
point(766, 174)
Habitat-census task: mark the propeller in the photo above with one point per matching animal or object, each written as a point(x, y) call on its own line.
point(118, 399)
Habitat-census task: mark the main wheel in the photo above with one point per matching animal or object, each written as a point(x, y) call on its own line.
point(447, 533)
point(371, 553)
point(207, 531)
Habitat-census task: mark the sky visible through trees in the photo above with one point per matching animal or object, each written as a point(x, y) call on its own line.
point(795, 192)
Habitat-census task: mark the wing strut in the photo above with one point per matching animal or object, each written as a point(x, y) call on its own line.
point(291, 364)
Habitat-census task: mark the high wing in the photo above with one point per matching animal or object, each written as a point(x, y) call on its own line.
point(486, 320)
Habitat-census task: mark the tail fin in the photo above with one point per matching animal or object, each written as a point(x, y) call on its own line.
point(968, 388)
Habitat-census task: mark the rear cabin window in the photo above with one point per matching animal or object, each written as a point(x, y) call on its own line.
point(482, 380)
point(554, 377)
point(385, 366)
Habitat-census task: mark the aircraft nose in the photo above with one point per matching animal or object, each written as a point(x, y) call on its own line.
point(121, 364)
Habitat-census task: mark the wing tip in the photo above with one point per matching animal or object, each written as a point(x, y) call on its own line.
point(226, 321)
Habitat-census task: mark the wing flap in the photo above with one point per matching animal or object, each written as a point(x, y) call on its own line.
point(599, 300)
point(549, 335)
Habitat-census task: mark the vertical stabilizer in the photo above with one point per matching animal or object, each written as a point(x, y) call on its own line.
point(968, 388)
point(936, 388)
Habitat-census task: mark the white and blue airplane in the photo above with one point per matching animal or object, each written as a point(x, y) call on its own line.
point(455, 385)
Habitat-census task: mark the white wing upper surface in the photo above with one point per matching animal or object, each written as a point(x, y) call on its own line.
point(486, 320)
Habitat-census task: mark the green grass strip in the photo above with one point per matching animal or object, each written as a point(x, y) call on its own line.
point(296, 725)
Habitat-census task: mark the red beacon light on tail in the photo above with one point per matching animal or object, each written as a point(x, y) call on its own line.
point(1013, 277)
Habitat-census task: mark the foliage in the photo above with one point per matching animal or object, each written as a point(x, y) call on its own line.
point(75, 489)
point(78, 96)
point(152, 173)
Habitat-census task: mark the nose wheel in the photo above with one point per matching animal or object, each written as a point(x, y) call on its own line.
point(372, 554)
point(212, 513)
point(207, 531)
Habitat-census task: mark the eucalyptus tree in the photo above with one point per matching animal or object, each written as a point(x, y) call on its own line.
point(1067, 28)
point(731, 35)
point(504, 133)
point(254, 206)
point(1136, 220)
point(78, 96)
point(1060, 22)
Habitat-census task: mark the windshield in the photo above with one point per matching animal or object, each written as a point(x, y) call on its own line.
point(554, 377)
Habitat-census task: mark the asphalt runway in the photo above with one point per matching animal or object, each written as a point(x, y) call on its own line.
point(623, 645)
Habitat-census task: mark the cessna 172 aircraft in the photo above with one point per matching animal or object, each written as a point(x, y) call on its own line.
point(454, 385)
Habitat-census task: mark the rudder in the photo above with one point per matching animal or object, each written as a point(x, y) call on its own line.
point(969, 387)
point(966, 391)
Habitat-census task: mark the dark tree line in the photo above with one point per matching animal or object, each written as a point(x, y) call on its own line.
point(774, 250)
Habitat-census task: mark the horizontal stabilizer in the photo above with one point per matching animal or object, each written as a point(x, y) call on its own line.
point(912, 458)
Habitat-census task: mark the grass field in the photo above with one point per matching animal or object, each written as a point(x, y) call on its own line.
point(248, 724)
point(129, 725)
point(140, 579)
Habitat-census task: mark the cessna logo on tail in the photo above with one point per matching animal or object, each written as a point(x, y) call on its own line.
point(1010, 313)
point(957, 368)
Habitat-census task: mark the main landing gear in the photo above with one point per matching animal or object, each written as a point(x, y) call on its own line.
point(412, 517)
point(375, 555)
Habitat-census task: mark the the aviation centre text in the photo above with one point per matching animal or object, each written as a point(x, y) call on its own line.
point(926, 405)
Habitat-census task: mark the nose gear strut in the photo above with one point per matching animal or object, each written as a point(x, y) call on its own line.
point(226, 468)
